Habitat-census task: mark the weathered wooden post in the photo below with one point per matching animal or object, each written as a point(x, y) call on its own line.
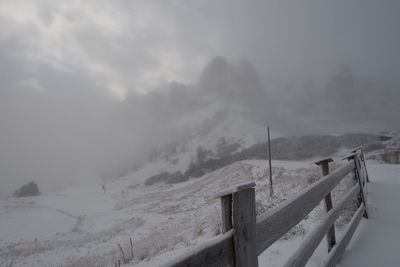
point(330, 236)
point(239, 212)
point(361, 198)
point(362, 159)
point(365, 166)
point(226, 213)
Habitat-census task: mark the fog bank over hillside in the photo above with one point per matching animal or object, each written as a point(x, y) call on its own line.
point(88, 88)
point(63, 129)
point(344, 102)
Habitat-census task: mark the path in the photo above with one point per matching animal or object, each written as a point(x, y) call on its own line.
point(377, 241)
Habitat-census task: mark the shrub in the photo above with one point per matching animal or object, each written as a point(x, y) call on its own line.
point(30, 189)
point(158, 178)
point(195, 170)
point(176, 177)
point(166, 177)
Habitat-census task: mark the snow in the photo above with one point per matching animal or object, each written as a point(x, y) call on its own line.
point(42, 222)
point(52, 214)
point(288, 165)
point(84, 225)
point(376, 241)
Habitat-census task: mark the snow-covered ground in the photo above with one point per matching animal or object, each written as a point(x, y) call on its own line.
point(79, 224)
point(83, 226)
point(376, 241)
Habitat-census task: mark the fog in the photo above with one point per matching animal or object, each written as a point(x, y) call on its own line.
point(87, 89)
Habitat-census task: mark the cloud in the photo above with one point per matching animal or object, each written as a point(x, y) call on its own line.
point(139, 44)
point(86, 83)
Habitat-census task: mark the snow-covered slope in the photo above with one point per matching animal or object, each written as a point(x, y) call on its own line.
point(84, 225)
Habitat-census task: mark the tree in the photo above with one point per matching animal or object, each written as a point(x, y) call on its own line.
point(202, 154)
point(30, 189)
point(221, 147)
point(224, 148)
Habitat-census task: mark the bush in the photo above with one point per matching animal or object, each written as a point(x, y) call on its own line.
point(195, 170)
point(176, 177)
point(166, 177)
point(30, 189)
point(158, 178)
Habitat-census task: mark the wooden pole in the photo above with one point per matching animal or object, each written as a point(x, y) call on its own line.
point(330, 236)
point(271, 189)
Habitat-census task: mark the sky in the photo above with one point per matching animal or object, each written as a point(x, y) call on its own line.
point(123, 46)
point(70, 71)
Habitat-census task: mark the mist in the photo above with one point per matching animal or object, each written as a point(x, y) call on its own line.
point(88, 89)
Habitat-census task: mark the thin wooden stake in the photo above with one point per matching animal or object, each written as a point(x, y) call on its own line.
point(271, 189)
point(130, 241)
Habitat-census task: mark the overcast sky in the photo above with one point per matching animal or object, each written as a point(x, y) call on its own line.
point(118, 46)
point(66, 67)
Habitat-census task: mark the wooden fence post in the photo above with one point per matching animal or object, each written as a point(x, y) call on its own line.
point(226, 213)
point(360, 180)
point(361, 198)
point(362, 158)
point(330, 236)
point(365, 166)
point(239, 212)
point(244, 226)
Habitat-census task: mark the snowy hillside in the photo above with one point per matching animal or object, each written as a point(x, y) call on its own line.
point(152, 222)
point(84, 226)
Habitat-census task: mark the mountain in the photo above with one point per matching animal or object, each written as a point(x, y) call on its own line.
point(227, 104)
point(222, 119)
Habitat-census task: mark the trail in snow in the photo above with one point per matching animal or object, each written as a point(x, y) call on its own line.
point(376, 242)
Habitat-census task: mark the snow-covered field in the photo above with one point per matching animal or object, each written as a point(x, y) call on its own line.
point(84, 226)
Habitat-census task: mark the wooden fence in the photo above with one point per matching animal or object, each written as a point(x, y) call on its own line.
point(245, 235)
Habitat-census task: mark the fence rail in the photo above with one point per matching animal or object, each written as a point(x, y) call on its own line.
point(245, 235)
point(275, 223)
point(216, 252)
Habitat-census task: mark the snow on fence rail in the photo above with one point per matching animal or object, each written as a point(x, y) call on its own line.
point(245, 236)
